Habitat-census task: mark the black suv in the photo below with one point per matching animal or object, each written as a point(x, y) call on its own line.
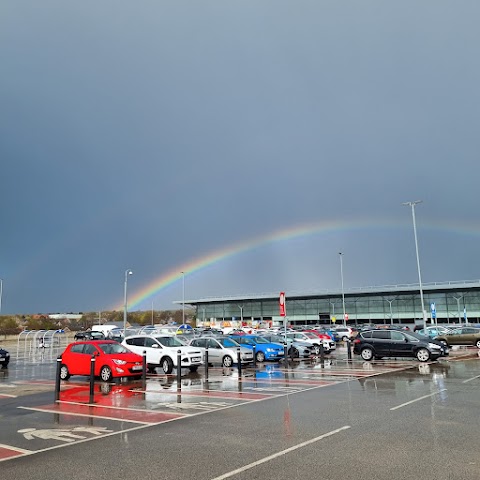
point(4, 358)
point(380, 343)
point(84, 336)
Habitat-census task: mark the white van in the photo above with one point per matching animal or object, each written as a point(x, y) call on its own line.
point(105, 329)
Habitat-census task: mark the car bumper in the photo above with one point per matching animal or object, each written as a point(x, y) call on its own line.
point(273, 355)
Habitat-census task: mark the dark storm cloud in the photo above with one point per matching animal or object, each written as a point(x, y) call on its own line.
point(147, 134)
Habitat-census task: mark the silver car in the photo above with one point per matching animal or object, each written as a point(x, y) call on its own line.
point(222, 350)
point(296, 349)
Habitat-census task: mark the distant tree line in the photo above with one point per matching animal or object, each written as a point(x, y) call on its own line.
point(14, 324)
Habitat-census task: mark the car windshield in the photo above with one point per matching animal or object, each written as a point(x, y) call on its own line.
point(276, 339)
point(170, 341)
point(260, 340)
point(110, 348)
point(228, 342)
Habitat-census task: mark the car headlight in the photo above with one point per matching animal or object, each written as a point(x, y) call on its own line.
point(269, 350)
point(433, 345)
point(119, 362)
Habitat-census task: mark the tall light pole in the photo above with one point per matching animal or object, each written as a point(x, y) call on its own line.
point(412, 205)
point(127, 273)
point(343, 291)
point(183, 298)
point(391, 313)
point(1, 294)
point(458, 308)
point(241, 315)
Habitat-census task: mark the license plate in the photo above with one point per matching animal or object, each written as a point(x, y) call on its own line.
point(195, 359)
point(137, 367)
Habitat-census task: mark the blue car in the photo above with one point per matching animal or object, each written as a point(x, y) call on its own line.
point(264, 350)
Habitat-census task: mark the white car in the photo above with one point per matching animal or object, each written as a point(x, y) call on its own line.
point(222, 350)
point(162, 351)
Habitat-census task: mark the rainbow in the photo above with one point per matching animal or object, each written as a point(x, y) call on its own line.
point(175, 274)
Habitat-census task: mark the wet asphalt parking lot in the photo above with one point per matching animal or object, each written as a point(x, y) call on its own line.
point(309, 419)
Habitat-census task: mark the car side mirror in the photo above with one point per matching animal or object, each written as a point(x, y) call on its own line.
point(155, 345)
point(406, 340)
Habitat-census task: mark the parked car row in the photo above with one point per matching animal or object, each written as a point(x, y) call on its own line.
point(165, 350)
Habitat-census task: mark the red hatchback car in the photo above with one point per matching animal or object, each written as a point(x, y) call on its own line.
point(111, 360)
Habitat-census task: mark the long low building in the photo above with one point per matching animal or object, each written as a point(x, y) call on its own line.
point(446, 302)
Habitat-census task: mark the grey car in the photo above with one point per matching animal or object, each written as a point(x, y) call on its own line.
point(296, 348)
point(222, 350)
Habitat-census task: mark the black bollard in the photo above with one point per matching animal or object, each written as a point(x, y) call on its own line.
point(322, 352)
point(239, 362)
point(285, 353)
point(254, 357)
point(349, 350)
point(206, 363)
point(57, 378)
point(179, 369)
point(92, 378)
point(144, 370)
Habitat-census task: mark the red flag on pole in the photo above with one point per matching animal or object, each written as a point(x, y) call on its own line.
point(283, 309)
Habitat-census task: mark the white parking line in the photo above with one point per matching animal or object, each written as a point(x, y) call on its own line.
point(418, 399)
point(74, 414)
point(470, 379)
point(279, 454)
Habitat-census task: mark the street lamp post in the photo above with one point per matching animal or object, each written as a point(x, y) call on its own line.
point(1, 294)
point(241, 314)
point(458, 308)
point(127, 273)
point(343, 291)
point(183, 298)
point(412, 205)
point(391, 313)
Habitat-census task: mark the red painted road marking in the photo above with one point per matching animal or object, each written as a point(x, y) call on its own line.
point(108, 413)
point(7, 452)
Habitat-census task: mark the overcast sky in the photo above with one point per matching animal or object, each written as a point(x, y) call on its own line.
point(149, 134)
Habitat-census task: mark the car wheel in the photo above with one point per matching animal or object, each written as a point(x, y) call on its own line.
point(64, 373)
point(167, 365)
point(367, 354)
point(344, 338)
point(316, 349)
point(293, 353)
point(477, 344)
point(260, 356)
point(106, 373)
point(227, 361)
point(423, 355)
